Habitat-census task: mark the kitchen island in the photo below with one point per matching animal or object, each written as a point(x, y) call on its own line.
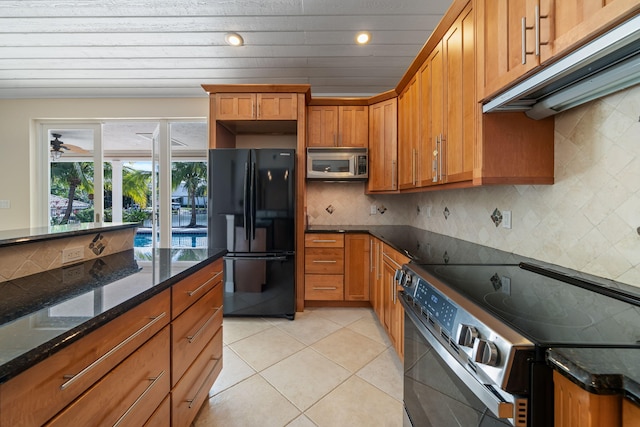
point(93, 340)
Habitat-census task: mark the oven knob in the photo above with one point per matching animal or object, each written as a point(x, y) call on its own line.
point(467, 334)
point(485, 352)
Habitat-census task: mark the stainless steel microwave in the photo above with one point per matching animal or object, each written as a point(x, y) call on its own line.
point(337, 163)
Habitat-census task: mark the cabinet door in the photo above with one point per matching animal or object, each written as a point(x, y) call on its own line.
point(505, 45)
point(353, 126)
point(460, 100)
point(235, 106)
point(356, 271)
point(408, 136)
point(563, 24)
point(432, 117)
point(576, 407)
point(630, 414)
point(383, 146)
point(277, 106)
point(323, 126)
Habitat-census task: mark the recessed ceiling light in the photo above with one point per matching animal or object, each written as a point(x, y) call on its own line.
point(363, 37)
point(234, 39)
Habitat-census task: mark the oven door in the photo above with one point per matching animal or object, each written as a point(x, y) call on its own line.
point(434, 395)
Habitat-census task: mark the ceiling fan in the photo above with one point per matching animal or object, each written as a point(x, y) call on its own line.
point(57, 146)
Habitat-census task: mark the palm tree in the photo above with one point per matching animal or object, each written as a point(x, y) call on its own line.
point(193, 175)
point(72, 176)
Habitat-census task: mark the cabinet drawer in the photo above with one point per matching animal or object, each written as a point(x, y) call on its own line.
point(193, 329)
point(324, 287)
point(86, 360)
point(324, 261)
point(396, 256)
point(187, 291)
point(162, 415)
point(323, 240)
point(192, 390)
point(129, 394)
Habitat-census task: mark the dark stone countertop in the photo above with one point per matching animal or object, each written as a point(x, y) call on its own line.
point(600, 370)
point(45, 312)
point(30, 235)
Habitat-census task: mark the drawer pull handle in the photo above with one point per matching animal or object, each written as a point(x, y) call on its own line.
point(325, 241)
point(199, 288)
point(325, 288)
point(190, 401)
point(192, 338)
point(144, 393)
point(324, 261)
point(73, 378)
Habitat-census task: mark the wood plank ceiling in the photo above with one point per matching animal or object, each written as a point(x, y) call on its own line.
point(168, 48)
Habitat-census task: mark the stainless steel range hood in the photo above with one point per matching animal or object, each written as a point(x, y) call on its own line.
point(605, 65)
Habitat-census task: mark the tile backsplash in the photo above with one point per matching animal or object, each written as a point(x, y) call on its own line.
point(35, 257)
point(586, 221)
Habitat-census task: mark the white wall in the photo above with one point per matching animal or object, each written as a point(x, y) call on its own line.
point(17, 143)
point(586, 221)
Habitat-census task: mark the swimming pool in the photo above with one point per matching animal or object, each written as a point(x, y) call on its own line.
point(178, 240)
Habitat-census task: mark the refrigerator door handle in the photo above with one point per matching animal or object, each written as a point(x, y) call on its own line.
point(254, 184)
point(246, 202)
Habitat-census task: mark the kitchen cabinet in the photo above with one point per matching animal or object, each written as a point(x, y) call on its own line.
point(392, 311)
point(408, 136)
point(196, 341)
point(518, 36)
point(39, 393)
point(383, 146)
point(630, 414)
point(164, 352)
point(576, 407)
point(324, 266)
point(338, 126)
point(375, 276)
point(256, 106)
point(356, 271)
point(336, 267)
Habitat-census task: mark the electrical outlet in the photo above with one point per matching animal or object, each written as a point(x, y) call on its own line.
point(506, 219)
point(72, 274)
point(373, 210)
point(72, 254)
point(506, 285)
point(5, 204)
point(427, 211)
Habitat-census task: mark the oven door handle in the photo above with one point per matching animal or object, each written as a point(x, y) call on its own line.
point(499, 407)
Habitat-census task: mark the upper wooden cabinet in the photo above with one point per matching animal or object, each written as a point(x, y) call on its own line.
point(338, 126)
point(408, 136)
point(383, 146)
point(518, 36)
point(256, 106)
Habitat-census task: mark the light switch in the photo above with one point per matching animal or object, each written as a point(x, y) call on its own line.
point(5, 204)
point(506, 219)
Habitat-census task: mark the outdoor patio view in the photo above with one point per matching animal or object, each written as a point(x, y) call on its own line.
point(73, 181)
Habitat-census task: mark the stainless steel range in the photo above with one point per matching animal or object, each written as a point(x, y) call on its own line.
point(476, 336)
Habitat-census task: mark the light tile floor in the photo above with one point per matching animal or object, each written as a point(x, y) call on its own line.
point(329, 367)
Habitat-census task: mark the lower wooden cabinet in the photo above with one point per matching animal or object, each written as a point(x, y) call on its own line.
point(129, 394)
point(123, 372)
point(630, 414)
point(576, 407)
point(392, 312)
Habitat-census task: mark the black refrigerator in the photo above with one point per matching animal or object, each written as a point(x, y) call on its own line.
point(252, 215)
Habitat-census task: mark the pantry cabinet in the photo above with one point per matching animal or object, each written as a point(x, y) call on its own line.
point(518, 36)
point(338, 126)
point(256, 106)
point(383, 146)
